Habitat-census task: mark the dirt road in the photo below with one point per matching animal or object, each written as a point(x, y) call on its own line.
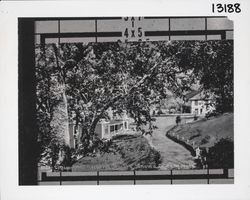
point(174, 156)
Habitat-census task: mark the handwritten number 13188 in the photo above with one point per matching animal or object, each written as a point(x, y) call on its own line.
point(227, 8)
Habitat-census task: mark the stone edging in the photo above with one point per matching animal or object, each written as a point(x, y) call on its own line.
point(184, 144)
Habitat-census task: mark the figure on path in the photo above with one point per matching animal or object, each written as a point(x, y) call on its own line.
point(178, 120)
point(198, 153)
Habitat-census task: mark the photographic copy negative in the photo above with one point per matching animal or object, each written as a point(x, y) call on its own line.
point(126, 100)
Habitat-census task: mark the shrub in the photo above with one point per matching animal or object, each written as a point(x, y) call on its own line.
point(211, 114)
point(68, 159)
point(160, 112)
point(157, 158)
point(205, 140)
point(221, 155)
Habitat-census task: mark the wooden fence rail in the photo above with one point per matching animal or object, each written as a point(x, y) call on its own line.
point(203, 176)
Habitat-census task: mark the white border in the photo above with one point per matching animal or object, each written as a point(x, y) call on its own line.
point(9, 11)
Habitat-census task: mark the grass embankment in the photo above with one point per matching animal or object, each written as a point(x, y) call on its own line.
point(126, 152)
point(204, 133)
point(215, 138)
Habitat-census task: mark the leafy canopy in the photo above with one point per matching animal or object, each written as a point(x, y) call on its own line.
point(128, 78)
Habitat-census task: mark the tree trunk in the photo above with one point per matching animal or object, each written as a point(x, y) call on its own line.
point(62, 117)
point(66, 134)
point(117, 98)
point(93, 125)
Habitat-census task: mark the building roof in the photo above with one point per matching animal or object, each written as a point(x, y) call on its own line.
point(191, 94)
point(201, 96)
point(115, 122)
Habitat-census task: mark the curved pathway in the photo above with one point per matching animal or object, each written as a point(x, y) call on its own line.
point(174, 156)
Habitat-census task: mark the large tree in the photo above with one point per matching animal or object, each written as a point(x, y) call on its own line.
point(88, 79)
point(92, 78)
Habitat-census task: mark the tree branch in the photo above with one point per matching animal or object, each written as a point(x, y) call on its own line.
point(120, 96)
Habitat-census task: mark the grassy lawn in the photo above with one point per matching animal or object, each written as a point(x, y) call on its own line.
point(127, 152)
point(206, 133)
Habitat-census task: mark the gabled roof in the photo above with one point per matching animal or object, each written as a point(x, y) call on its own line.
point(115, 122)
point(201, 96)
point(191, 94)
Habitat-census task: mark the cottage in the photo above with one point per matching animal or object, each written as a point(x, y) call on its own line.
point(199, 103)
point(104, 129)
point(107, 129)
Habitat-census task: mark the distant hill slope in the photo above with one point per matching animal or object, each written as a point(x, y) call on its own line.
point(205, 133)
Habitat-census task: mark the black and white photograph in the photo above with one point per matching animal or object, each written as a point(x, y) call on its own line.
point(124, 100)
point(149, 104)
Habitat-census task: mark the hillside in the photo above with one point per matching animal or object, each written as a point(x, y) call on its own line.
point(126, 152)
point(205, 133)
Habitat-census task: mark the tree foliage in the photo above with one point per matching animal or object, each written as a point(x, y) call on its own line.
point(213, 65)
point(126, 77)
point(221, 155)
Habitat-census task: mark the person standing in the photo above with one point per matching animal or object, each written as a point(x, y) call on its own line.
point(178, 120)
point(198, 153)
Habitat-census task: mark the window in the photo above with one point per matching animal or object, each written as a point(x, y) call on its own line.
point(76, 143)
point(112, 128)
point(196, 111)
point(196, 102)
point(106, 129)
